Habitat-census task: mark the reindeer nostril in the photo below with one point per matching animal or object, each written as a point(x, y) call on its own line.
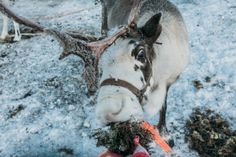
point(111, 117)
point(119, 111)
point(121, 108)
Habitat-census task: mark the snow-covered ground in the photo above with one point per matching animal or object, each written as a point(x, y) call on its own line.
point(44, 109)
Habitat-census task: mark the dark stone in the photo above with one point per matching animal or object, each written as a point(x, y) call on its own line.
point(197, 84)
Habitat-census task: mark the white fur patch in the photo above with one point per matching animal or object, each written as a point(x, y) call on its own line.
point(118, 63)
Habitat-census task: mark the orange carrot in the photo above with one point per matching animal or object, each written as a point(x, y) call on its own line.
point(156, 136)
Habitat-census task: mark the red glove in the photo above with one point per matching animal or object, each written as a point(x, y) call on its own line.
point(109, 154)
point(139, 151)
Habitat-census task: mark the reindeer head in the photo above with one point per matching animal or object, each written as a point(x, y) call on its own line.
point(127, 72)
point(126, 66)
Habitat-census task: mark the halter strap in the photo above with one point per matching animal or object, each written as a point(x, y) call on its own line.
point(121, 83)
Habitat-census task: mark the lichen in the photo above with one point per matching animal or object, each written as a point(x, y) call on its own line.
point(210, 135)
point(118, 137)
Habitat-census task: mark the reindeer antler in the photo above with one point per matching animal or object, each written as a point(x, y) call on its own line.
point(134, 13)
point(89, 51)
point(100, 46)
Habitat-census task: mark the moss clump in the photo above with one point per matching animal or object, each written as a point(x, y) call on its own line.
point(210, 135)
point(118, 137)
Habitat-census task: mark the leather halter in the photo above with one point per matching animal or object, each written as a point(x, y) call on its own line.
point(121, 83)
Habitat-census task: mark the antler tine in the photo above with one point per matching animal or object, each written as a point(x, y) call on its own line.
point(71, 45)
point(99, 47)
point(134, 13)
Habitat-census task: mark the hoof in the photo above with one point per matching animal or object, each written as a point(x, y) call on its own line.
point(171, 143)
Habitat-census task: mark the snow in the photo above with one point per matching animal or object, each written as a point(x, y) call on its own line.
point(57, 112)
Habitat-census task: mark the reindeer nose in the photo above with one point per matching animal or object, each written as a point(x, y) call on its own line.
point(111, 116)
point(117, 108)
point(107, 112)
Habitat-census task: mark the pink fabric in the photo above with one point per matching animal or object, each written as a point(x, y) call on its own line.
point(136, 140)
point(140, 154)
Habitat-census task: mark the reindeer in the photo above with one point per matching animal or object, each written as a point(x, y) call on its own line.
point(138, 63)
point(139, 69)
point(4, 34)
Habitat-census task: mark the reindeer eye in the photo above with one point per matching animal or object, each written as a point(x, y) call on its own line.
point(141, 56)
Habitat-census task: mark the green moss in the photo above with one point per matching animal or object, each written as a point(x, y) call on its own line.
point(210, 135)
point(118, 138)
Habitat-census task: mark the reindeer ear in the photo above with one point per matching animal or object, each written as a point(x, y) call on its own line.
point(152, 28)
